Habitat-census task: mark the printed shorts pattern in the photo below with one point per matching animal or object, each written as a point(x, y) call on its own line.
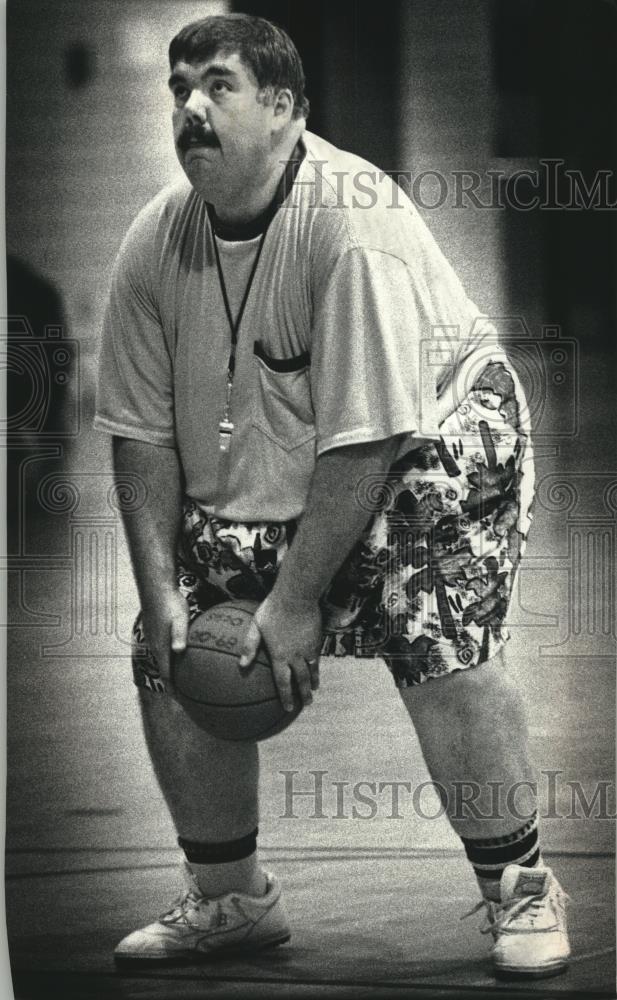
point(428, 585)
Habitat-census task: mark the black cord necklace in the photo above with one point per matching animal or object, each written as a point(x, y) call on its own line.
point(226, 427)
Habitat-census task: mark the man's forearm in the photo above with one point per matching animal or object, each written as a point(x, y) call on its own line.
point(153, 528)
point(333, 520)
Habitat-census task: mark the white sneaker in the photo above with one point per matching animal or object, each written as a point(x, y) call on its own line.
point(196, 927)
point(529, 924)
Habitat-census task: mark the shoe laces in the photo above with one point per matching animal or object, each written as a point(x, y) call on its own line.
point(184, 908)
point(192, 902)
point(518, 914)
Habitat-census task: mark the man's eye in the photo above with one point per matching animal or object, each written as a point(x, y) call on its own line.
point(219, 87)
point(180, 94)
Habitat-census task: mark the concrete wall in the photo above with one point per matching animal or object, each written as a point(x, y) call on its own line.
point(447, 119)
point(83, 158)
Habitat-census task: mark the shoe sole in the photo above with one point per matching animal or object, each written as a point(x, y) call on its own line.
point(504, 972)
point(194, 956)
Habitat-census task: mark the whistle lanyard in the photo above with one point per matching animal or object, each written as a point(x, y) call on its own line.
point(226, 427)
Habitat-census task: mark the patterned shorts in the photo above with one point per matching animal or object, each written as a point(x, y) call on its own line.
point(428, 584)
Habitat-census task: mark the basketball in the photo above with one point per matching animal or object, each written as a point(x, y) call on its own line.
point(228, 701)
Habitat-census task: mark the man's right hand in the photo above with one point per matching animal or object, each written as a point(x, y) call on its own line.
point(165, 620)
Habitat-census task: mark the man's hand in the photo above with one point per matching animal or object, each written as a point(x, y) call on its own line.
point(166, 621)
point(291, 633)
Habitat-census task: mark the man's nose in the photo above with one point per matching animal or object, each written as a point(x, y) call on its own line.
point(196, 107)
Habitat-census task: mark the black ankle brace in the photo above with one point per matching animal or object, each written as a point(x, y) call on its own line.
point(220, 852)
point(489, 857)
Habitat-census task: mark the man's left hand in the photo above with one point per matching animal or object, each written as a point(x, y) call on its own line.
point(291, 632)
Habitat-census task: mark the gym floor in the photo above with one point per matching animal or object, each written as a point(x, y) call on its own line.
point(375, 901)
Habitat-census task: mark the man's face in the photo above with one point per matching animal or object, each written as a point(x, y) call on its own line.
point(222, 132)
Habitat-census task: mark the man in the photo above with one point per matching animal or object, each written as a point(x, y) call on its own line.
point(262, 370)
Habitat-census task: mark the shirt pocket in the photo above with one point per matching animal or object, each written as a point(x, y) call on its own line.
point(283, 409)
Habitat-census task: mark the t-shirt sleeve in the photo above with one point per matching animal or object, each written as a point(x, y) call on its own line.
point(134, 394)
point(366, 382)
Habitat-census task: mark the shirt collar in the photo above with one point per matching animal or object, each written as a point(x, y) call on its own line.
point(255, 227)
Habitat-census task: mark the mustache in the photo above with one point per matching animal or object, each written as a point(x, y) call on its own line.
point(196, 135)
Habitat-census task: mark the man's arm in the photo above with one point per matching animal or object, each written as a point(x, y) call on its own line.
point(289, 620)
point(152, 532)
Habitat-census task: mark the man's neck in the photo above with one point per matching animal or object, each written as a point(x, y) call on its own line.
point(255, 202)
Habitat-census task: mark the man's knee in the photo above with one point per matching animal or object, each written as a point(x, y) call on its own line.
point(464, 689)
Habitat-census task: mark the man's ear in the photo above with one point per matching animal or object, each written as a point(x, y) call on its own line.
point(282, 109)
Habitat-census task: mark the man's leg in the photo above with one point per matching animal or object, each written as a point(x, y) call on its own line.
point(473, 734)
point(210, 787)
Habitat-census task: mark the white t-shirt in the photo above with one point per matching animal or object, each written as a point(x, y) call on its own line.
point(332, 349)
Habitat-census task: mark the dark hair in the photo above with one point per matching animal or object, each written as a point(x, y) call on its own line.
point(263, 47)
